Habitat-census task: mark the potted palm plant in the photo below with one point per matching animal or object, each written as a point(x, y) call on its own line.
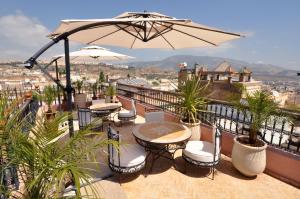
point(110, 94)
point(48, 161)
point(101, 82)
point(94, 88)
point(48, 96)
point(28, 94)
point(79, 98)
point(249, 152)
point(191, 103)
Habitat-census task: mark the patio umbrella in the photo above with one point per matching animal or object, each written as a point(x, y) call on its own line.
point(132, 30)
point(92, 53)
point(143, 30)
point(88, 55)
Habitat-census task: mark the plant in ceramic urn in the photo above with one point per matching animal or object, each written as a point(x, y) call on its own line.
point(110, 94)
point(191, 103)
point(48, 96)
point(95, 89)
point(249, 152)
point(79, 98)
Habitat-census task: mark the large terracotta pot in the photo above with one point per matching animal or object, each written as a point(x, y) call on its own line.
point(248, 160)
point(28, 95)
point(80, 100)
point(195, 129)
point(50, 115)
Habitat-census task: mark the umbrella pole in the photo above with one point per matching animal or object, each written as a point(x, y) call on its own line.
point(68, 87)
point(57, 79)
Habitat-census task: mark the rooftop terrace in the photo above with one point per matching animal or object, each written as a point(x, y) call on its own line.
point(283, 161)
point(167, 182)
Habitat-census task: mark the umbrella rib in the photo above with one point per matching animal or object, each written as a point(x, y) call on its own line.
point(191, 35)
point(104, 36)
point(120, 28)
point(195, 37)
point(138, 32)
point(166, 30)
point(128, 32)
point(133, 42)
point(164, 38)
point(208, 29)
point(149, 29)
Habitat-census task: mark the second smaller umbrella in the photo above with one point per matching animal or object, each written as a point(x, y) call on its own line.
point(94, 53)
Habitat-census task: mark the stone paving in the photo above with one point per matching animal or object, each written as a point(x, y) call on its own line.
point(167, 182)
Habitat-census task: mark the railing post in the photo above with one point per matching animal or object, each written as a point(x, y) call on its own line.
point(68, 87)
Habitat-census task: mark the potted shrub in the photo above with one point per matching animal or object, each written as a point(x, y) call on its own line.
point(48, 161)
point(191, 103)
point(64, 101)
point(28, 95)
point(94, 88)
point(110, 94)
point(48, 96)
point(249, 152)
point(101, 82)
point(79, 98)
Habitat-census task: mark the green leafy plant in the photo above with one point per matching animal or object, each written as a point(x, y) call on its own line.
point(191, 99)
point(78, 85)
point(94, 88)
point(9, 113)
point(111, 91)
point(48, 96)
point(262, 107)
point(48, 160)
point(101, 77)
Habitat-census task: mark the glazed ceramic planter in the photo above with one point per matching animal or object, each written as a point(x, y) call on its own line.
point(195, 129)
point(248, 160)
point(110, 99)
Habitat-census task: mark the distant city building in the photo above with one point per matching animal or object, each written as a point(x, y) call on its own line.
point(134, 82)
point(222, 79)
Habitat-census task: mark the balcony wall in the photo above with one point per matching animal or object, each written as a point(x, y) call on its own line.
point(280, 164)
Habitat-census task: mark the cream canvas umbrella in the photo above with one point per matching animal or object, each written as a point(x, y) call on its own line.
point(143, 30)
point(132, 30)
point(90, 54)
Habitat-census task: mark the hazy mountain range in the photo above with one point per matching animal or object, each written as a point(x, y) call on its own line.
point(212, 62)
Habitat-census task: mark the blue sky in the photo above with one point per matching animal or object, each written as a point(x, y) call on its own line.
point(272, 27)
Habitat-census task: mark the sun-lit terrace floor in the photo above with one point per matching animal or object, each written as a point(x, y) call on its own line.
point(166, 182)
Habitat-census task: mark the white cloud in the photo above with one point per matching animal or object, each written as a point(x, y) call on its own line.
point(21, 36)
point(260, 62)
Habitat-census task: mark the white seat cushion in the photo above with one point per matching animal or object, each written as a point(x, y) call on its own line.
point(200, 151)
point(126, 114)
point(100, 101)
point(130, 155)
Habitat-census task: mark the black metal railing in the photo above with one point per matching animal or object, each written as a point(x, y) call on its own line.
point(9, 176)
point(278, 132)
point(167, 101)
